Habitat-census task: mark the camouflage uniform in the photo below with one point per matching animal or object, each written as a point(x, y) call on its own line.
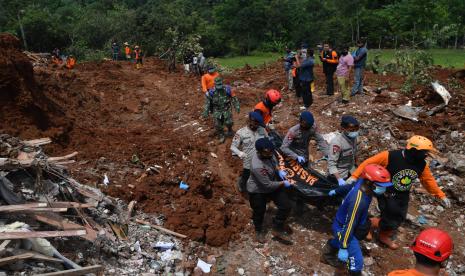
point(219, 102)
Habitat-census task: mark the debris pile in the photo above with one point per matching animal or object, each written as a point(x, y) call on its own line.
point(41, 202)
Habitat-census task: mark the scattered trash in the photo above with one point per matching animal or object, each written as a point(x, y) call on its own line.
point(162, 246)
point(106, 181)
point(422, 220)
point(204, 266)
point(213, 155)
point(407, 111)
point(183, 185)
point(442, 91)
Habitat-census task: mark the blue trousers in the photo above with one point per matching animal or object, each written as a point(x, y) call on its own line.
point(358, 81)
point(355, 262)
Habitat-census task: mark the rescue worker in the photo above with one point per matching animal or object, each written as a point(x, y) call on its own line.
point(342, 150)
point(243, 145)
point(202, 64)
point(349, 225)
point(295, 76)
point(360, 59)
point(127, 51)
point(288, 60)
point(330, 60)
point(70, 62)
point(208, 79)
point(265, 184)
point(265, 107)
point(115, 51)
point(219, 102)
point(432, 248)
point(405, 166)
point(306, 77)
point(296, 142)
point(138, 55)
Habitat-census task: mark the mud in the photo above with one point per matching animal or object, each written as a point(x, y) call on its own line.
point(110, 112)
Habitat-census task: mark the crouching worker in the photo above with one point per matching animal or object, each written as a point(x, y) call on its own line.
point(265, 183)
point(243, 145)
point(432, 249)
point(350, 224)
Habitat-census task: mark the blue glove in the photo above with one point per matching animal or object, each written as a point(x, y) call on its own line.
point(343, 255)
point(332, 193)
point(287, 184)
point(300, 159)
point(282, 174)
point(341, 182)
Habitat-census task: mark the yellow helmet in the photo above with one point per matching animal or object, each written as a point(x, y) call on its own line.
point(421, 143)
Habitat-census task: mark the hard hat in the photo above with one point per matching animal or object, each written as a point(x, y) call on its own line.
point(273, 96)
point(125, 43)
point(378, 174)
point(136, 47)
point(307, 116)
point(434, 244)
point(420, 143)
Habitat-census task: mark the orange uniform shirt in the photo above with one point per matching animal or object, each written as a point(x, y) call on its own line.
point(208, 81)
point(266, 112)
point(334, 59)
point(406, 272)
point(70, 62)
point(426, 178)
point(127, 50)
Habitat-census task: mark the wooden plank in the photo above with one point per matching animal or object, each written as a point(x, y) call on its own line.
point(57, 221)
point(22, 207)
point(161, 229)
point(12, 259)
point(3, 246)
point(40, 234)
point(47, 209)
point(70, 204)
point(61, 158)
point(38, 142)
point(97, 269)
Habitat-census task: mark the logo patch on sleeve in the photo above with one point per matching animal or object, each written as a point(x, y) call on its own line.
point(336, 148)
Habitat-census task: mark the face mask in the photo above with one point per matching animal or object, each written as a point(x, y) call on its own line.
point(379, 190)
point(352, 134)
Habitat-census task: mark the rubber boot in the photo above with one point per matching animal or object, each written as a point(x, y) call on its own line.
point(230, 132)
point(260, 237)
point(373, 227)
point(281, 235)
point(329, 256)
point(385, 237)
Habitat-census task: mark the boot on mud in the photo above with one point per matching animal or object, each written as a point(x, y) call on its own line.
point(288, 229)
point(260, 237)
point(385, 237)
point(329, 256)
point(281, 235)
point(230, 132)
point(374, 226)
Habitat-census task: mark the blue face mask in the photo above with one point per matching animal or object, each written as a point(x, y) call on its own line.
point(352, 134)
point(379, 190)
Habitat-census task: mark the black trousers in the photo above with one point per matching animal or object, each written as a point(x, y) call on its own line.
point(243, 180)
point(329, 82)
point(394, 207)
point(296, 83)
point(306, 93)
point(258, 204)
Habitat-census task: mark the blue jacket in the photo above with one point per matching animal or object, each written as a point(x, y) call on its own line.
point(352, 212)
point(306, 69)
point(288, 62)
point(362, 54)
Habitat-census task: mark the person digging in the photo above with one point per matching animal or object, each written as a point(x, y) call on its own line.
point(219, 102)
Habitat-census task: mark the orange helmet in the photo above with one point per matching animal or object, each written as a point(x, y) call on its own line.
point(273, 96)
point(434, 244)
point(420, 143)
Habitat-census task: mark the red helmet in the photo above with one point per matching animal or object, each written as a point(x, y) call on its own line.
point(273, 96)
point(434, 244)
point(377, 173)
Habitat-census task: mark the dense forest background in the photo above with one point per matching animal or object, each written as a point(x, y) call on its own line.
point(224, 27)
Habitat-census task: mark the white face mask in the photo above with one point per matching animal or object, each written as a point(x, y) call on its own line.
point(352, 134)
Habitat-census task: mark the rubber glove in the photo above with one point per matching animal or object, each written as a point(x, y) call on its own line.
point(332, 193)
point(446, 202)
point(300, 159)
point(282, 174)
point(343, 255)
point(341, 182)
point(350, 180)
point(242, 155)
point(287, 184)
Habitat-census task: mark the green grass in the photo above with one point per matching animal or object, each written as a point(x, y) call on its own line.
point(443, 57)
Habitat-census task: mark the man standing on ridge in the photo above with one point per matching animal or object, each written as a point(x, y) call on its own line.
point(219, 102)
point(127, 51)
point(405, 166)
point(330, 60)
point(360, 60)
point(305, 65)
point(346, 62)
